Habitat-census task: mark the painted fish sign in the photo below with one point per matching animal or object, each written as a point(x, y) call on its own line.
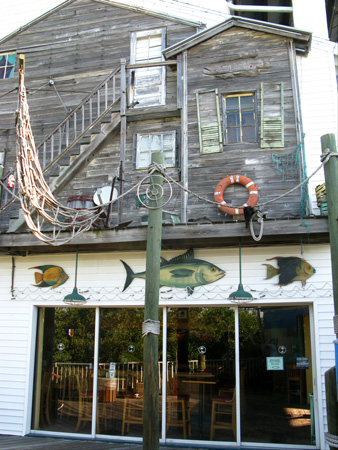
point(290, 269)
point(49, 276)
point(183, 271)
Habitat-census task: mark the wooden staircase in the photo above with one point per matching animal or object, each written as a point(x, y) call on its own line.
point(63, 153)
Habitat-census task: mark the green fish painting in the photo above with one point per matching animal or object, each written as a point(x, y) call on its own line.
point(290, 269)
point(49, 276)
point(183, 271)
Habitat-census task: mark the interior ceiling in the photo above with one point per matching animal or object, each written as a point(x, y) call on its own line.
point(332, 19)
point(272, 17)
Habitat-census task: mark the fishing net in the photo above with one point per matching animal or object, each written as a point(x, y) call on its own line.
point(292, 166)
point(42, 212)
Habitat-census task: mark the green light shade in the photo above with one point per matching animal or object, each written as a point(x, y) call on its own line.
point(74, 297)
point(240, 294)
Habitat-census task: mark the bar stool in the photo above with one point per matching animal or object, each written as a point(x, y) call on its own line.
point(178, 413)
point(223, 414)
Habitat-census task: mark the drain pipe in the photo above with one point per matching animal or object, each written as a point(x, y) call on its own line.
point(254, 8)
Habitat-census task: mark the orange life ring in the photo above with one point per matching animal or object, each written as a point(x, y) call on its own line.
point(239, 179)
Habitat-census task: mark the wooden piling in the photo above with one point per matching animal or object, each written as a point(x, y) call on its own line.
point(328, 142)
point(150, 346)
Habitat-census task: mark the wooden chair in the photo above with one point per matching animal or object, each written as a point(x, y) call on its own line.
point(85, 402)
point(178, 413)
point(294, 382)
point(132, 412)
point(223, 414)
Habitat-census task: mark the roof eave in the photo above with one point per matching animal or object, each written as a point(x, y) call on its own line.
point(195, 24)
point(301, 38)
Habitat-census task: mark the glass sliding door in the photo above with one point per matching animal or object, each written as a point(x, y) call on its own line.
point(201, 394)
point(276, 389)
point(120, 375)
point(63, 384)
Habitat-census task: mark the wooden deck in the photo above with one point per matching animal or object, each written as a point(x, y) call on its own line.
point(44, 443)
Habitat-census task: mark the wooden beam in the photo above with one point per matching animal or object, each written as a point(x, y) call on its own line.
point(194, 234)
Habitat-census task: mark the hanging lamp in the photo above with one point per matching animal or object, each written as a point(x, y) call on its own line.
point(75, 297)
point(240, 294)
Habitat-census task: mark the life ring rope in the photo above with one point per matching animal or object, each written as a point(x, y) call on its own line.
point(235, 179)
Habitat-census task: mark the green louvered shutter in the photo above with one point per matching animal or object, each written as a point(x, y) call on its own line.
point(272, 115)
point(209, 123)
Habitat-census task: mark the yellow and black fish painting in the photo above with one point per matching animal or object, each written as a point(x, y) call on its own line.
point(49, 276)
point(290, 269)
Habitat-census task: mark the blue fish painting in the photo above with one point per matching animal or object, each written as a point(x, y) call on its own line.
point(49, 276)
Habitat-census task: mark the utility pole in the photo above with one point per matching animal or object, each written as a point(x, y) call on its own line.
point(328, 143)
point(151, 323)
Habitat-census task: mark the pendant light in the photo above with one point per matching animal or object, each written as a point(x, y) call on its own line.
point(75, 297)
point(240, 294)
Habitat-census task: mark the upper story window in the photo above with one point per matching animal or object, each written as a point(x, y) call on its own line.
point(239, 118)
point(7, 63)
point(155, 142)
point(147, 85)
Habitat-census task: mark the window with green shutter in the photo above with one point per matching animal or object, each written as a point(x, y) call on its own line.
point(239, 118)
point(209, 123)
point(272, 115)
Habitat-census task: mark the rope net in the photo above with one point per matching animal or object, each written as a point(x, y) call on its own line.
point(39, 206)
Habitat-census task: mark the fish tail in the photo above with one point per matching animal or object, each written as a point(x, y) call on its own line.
point(38, 277)
point(270, 271)
point(130, 275)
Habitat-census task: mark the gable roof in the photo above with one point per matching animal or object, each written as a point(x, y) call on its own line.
point(302, 39)
point(139, 9)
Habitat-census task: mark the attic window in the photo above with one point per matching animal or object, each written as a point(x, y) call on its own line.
point(155, 142)
point(7, 63)
point(240, 118)
point(147, 84)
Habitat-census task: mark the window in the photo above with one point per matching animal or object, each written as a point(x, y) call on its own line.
point(240, 118)
point(7, 63)
point(147, 85)
point(149, 143)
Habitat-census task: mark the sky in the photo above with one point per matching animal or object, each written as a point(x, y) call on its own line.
point(16, 13)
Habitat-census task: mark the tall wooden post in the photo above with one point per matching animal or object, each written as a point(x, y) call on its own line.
point(150, 347)
point(328, 142)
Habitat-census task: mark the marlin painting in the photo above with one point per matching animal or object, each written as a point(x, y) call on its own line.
point(183, 271)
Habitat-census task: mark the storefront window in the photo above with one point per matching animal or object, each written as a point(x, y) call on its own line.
point(262, 396)
point(275, 354)
point(64, 370)
point(120, 377)
point(201, 394)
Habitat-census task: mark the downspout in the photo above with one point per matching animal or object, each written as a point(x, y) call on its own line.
point(254, 8)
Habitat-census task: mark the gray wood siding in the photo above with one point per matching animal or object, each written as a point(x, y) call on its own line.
point(248, 159)
point(100, 171)
point(78, 46)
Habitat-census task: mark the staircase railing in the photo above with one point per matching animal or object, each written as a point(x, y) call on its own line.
point(81, 120)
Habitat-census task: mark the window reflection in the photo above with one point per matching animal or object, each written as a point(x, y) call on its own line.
point(201, 374)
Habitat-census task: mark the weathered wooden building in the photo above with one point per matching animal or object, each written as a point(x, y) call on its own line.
point(108, 85)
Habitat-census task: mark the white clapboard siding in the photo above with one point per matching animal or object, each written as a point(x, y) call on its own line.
point(318, 92)
point(105, 270)
point(15, 329)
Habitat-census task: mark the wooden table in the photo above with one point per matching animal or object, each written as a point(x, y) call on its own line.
point(202, 381)
point(107, 387)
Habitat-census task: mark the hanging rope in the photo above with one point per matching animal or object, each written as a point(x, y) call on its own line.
point(38, 204)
